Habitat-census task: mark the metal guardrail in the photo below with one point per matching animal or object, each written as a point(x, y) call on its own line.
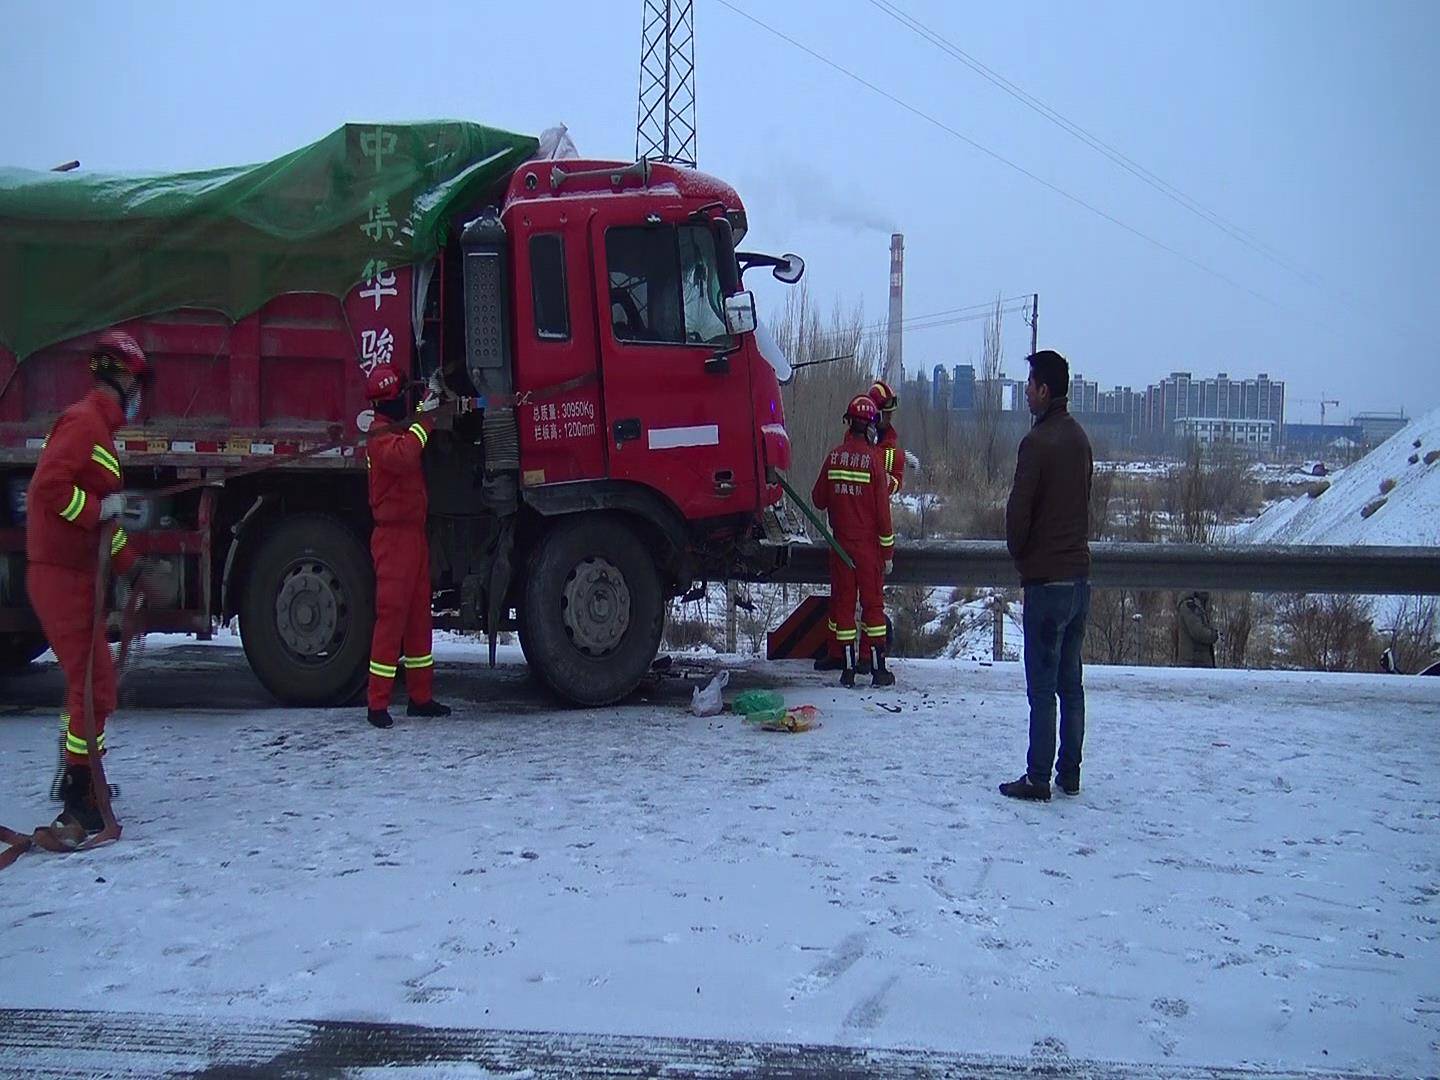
point(1232, 568)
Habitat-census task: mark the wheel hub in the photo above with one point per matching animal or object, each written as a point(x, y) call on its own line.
point(307, 609)
point(596, 606)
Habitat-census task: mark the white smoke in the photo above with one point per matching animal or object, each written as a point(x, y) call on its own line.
point(804, 193)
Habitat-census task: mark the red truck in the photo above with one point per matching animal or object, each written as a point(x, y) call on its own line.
point(625, 441)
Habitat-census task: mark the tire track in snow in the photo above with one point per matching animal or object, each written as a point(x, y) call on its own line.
point(66, 1044)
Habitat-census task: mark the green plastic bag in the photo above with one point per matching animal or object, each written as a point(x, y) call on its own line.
point(755, 701)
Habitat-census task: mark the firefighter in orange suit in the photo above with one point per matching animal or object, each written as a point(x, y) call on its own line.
point(853, 488)
point(400, 551)
point(891, 453)
point(75, 491)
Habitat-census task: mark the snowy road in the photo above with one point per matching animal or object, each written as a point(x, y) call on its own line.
point(1251, 877)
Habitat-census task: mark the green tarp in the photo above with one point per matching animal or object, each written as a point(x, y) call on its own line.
point(80, 251)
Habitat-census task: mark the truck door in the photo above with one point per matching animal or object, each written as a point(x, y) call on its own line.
point(677, 409)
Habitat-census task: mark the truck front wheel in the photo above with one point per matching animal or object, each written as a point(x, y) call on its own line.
point(307, 611)
point(592, 610)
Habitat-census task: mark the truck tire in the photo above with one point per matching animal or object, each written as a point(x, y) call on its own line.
point(18, 649)
point(592, 610)
point(308, 610)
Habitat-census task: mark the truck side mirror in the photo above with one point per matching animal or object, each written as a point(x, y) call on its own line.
point(790, 270)
point(740, 313)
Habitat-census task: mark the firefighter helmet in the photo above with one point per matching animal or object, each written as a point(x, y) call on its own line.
point(117, 353)
point(884, 398)
point(862, 409)
point(383, 384)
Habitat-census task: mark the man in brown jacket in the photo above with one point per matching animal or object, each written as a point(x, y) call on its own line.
point(1047, 529)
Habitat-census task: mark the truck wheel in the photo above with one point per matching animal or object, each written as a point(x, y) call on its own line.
point(18, 649)
point(592, 610)
point(308, 610)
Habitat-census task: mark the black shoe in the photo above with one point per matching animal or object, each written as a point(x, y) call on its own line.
point(1025, 788)
point(427, 708)
point(847, 669)
point(829, 663)
point(77, 792)
point(1070, 786)
point(862, 666)
point(379, 717)
point(883, 676)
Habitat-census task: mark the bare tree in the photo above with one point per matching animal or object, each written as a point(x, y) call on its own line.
point(1109, 628)
point(1326, 633)
point(1235, 616)
point(1193, 516)
point(990, 402)
point(1414, 636)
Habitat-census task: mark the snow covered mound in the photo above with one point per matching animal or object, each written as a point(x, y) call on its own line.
point(1390, 496)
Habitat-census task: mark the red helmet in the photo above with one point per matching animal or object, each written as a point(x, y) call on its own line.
point(863, 409)
point(117, 353)
point(383, 384)
point(884, 398)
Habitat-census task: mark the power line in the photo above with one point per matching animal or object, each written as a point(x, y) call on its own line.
point(984, 308)
point(862, 333)
point(1235, 232)
point(995, 155)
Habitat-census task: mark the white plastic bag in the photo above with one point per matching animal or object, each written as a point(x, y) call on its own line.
point(555, 145)
point(709, 700)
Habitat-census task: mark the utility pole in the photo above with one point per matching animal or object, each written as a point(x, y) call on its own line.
point(1034, 320)
point(665, 123)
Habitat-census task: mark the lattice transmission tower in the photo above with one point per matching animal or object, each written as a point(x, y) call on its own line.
point(665, 122)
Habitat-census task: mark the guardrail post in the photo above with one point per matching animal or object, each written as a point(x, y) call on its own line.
point(997, 646)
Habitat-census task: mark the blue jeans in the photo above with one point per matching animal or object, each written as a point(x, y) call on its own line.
point(1054, 636)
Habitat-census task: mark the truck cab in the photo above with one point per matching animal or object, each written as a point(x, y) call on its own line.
point(646, 419)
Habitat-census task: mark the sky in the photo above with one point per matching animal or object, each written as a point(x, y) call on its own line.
point(1302, 125)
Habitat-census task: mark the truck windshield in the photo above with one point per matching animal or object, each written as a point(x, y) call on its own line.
point(665, 285)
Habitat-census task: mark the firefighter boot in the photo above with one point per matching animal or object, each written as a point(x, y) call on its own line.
point(427, 708)
point(379, 717)
point(77, 792)
point(847, 673)
point(881, 676)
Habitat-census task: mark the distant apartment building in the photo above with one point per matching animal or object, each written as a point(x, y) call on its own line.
point(1180, 396)
point(1155, 414)
point(962, 387)
point(1084, 395)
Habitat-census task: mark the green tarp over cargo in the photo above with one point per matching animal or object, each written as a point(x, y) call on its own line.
point(80, 251)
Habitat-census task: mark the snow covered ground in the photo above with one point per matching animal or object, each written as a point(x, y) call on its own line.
point(1251, 876)
point(1403, 496)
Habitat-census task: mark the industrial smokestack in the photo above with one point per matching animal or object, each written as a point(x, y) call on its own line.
point(894, 369)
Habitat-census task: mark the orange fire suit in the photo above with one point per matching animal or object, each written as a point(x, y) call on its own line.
point(853, 488)
point(401, 554)
point(77, 469)
point(893, 458)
